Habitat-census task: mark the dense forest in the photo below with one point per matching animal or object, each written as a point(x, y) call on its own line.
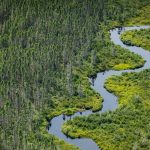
point(48, 49)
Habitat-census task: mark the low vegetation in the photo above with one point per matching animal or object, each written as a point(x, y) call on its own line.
point(139, 38)
point(128, 126)
point(142, 18)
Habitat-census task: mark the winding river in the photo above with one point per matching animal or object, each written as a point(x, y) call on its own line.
point(110, 101)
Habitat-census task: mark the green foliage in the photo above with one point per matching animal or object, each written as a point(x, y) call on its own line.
point(121, 66)
point(47, 51)
point(142, 18)
point(109, 56)
point(139, 38)
point(128, 126)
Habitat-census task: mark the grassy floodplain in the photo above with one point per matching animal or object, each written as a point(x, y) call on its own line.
point(139, 38)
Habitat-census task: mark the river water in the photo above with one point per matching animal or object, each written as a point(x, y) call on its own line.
point(110, 101)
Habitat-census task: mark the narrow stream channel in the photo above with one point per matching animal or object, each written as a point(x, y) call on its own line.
point(110, 101)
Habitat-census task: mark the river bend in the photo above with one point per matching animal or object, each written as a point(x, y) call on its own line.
point(110, 101)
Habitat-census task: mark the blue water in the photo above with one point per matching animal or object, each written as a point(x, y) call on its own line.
point(110, 101)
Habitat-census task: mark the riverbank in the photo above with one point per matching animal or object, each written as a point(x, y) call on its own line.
point(113, 130)
point(132, 90)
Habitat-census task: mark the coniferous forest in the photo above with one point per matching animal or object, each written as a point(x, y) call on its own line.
point(48, 51)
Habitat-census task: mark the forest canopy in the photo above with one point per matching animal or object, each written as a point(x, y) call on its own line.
point(48, 49)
